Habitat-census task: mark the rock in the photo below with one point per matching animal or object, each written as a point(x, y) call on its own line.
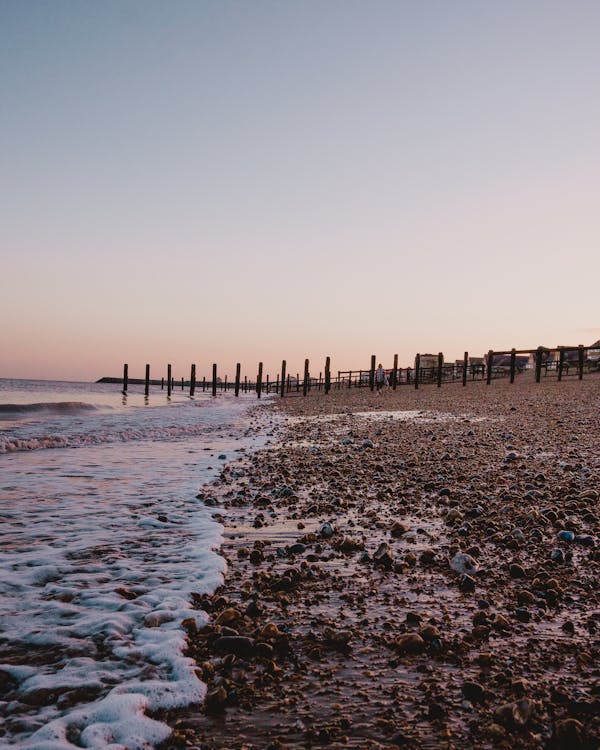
point(522, 614)
point(347, 441)
point(338, 639)
point(367, 443)
point(383, 556)
point(466, 583)
point(229, 615)
point(409, 643)
point(216, 699)
point(454, 516)
point(239, 645)
point(473, 692)
point(427, 557)
point(557, 556)
point(257, 556)
point(464, 563)
point(327, 530)
point(297, 549)
point(568, 734)
point(516, 571)
point(565, 536)
point(514, 715)
point(585, 540)
point(398, 529)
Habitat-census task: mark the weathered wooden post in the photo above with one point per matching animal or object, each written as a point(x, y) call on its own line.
point(465, 366)
point(513, 362)
point(439, 369)
point(147, 383)
point(203, 383)
point(193, 380)
point(417, 370)
point(169, 380)
point(327, 374)
point(580, 361)
point(225, 386)
point(162, 384)
point(372, 373)
point(395, 373)
point(350, 379)
point(214, 379)
point(538, 364)
point(306, 375)
point(238, 369)
point(182, 384)
point(125, 378)
point(283, 366)
point(561, 362)
point(259, 379)
point(490, 360)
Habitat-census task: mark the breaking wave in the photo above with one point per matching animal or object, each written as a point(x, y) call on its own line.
point(53, 407)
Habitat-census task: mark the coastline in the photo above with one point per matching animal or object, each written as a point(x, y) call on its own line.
point(420, 580)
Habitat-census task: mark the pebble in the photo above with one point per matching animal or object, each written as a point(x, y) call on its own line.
point(464, 563)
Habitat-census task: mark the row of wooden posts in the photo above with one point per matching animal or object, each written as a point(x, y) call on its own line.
point(285, 384)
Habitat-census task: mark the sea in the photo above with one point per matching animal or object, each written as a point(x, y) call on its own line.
point(105, 541)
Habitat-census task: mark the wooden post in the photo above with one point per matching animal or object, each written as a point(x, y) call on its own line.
point(439, 372)
point(193, 380)
point(513, 362)
point(203, 383)
point(417, 370)
point(125, 378)
point(214, 379)
point(259, 379)
point(327, 374)
point(350, 379)
point(283, 366)
point(245, 384)
point(169, 380)
point(490, 360)
point(372, 373)
point(238, 368)
point(147, 384)
point(305, 384)
point(580, 361)
point(464, 372)
point(395, 372)
point(182, 384)
point(225, 384)
point(561, 362)
point(162, 384)
point(289, 383)
point(538, 364)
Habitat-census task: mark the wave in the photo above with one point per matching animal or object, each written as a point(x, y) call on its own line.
point(12, 444)
point(55, 407)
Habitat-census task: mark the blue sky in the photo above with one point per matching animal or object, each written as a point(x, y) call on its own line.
point(244, 181)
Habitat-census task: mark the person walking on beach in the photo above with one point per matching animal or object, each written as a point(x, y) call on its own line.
point(380, 378)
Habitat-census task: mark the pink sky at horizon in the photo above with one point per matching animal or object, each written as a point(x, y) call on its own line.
point(227, 182)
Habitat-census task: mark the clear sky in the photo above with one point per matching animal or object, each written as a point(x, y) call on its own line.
point(241, 181)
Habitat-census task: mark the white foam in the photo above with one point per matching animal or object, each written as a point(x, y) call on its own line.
point(101, 549)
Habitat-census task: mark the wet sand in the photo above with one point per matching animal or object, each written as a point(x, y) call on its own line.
point(417, 569)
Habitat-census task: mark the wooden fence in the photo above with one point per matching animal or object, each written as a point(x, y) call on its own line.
point(562, 361)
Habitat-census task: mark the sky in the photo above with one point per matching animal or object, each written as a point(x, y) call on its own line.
point(264, 180)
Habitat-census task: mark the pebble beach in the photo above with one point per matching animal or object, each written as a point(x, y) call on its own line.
point(411, 569)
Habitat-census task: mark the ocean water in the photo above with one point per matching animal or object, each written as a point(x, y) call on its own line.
point(103, 543)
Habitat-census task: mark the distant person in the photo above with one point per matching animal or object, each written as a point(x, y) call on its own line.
point(380, 378)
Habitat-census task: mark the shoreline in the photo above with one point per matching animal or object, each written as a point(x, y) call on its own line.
point(422, 581)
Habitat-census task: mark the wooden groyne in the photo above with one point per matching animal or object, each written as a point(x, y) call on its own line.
point(427, 369)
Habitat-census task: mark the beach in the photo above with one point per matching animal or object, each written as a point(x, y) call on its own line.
point(416, 569)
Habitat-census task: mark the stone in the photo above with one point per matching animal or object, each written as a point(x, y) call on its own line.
point(514, 715)
point(466, 583)
point(516, 571)
point(473, 691)
point(464, 563)
point(383, 556)
point(409, 643)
